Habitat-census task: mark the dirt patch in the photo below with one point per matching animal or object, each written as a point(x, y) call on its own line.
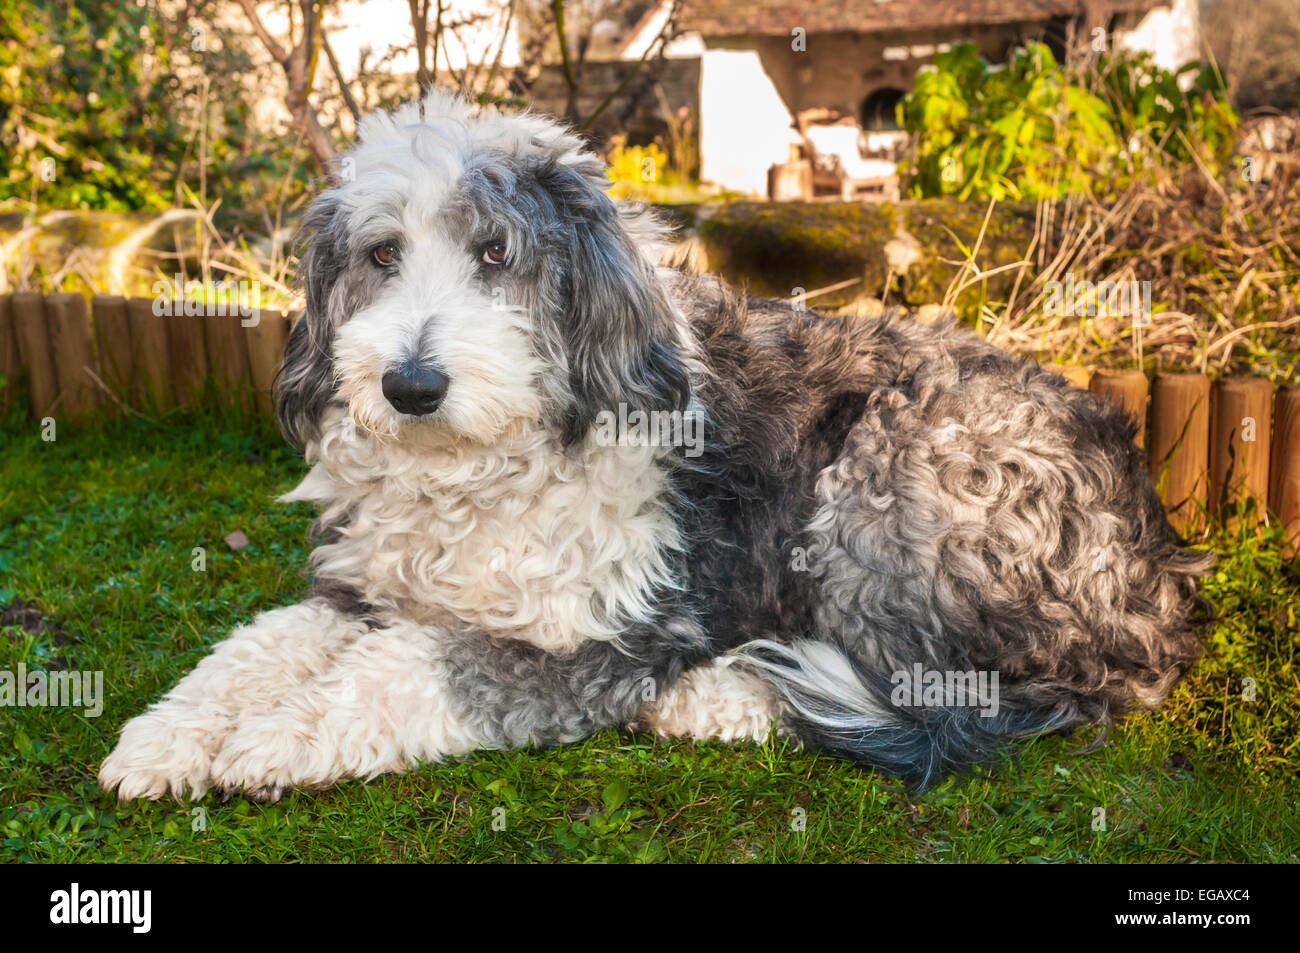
point(24, 614)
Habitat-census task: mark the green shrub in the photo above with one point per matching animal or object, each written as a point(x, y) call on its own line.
point(1033, 128)
point(85, 92)
point(114, 106)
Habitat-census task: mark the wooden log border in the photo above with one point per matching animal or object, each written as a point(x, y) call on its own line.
point(1179, 451)
point(113, 354)
point(1284, 468)
point(1209, 446)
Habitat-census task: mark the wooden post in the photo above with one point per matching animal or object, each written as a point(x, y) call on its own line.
point(69, 321)
point(228, 358)
point(149, 354)
point(28, 315)
point(1284, 482)
point(790, 181)
point(9, 363)
point(1078, 376)
point(266, 341)
point(1179, 447)
point(1125, 391)
point(113, 339)
point(188, 365)
point(1241, 419)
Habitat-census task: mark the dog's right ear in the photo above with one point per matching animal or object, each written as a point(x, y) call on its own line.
point(306, 383)
point(618, 327)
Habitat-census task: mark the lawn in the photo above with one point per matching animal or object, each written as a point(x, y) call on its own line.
point(97, 537)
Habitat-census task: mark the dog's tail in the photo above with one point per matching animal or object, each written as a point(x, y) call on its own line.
point(835, 702)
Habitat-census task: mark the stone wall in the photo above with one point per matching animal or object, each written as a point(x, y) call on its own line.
point(769, 247)
point(637, 110)
point(772, 248)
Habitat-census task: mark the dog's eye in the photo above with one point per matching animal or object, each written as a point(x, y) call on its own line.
point(385, 255)
point(495, 254)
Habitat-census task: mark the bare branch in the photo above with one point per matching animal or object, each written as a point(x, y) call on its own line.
point(299, 65)
point(557, 12)
point(505, 35)
point(660, 42)
point(272, 46)
point(420, 24)
point(348, 99)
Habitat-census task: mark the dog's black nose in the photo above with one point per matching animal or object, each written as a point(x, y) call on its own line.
point(415, 389)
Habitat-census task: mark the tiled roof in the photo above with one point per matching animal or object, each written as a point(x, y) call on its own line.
point(779, 17)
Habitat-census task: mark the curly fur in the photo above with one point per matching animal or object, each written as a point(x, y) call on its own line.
point(871, 495)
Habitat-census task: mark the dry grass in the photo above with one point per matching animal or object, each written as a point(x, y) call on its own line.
point(1222, 259)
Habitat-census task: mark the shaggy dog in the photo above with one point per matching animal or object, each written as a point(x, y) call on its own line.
point(563, 488)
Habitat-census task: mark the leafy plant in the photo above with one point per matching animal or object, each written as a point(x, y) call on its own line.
point(1158, 120)
point(1034, 129)
point(636, 171)
point(129, 107)
point(84, 97)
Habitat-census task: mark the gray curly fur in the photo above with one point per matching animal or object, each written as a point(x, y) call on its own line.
point(965, 509)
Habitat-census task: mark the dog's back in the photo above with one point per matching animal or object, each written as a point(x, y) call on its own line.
point(927, 545)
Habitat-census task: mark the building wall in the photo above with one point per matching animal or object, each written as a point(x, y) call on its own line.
point(745, 126)
point(1171, 34)
point(637, 111)
point(751, 88)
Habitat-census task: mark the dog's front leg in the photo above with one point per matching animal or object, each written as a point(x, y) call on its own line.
point(170, 748)
point(382, 705)
point(407, 693)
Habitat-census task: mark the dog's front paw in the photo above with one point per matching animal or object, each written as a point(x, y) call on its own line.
point(159, 755)
point(268, 756)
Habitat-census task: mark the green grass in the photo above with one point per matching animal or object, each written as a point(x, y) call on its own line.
point(98, 528)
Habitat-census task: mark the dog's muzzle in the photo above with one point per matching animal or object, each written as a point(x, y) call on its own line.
point(415, 389)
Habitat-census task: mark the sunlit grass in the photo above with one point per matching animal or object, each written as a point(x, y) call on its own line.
point(99, 530)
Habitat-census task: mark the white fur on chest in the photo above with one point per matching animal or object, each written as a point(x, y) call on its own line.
point(516, 538)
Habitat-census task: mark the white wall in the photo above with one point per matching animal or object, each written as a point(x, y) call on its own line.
point(1172, 34)
point(682, 46)
point(744, 125)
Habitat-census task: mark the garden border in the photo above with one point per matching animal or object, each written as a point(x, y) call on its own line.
point(1209, 444)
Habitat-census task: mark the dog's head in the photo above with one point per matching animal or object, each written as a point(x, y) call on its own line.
point(467, 272)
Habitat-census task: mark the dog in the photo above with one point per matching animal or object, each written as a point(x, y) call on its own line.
point(563, 488)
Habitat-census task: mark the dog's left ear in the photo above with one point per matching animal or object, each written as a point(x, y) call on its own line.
point(619, 328)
